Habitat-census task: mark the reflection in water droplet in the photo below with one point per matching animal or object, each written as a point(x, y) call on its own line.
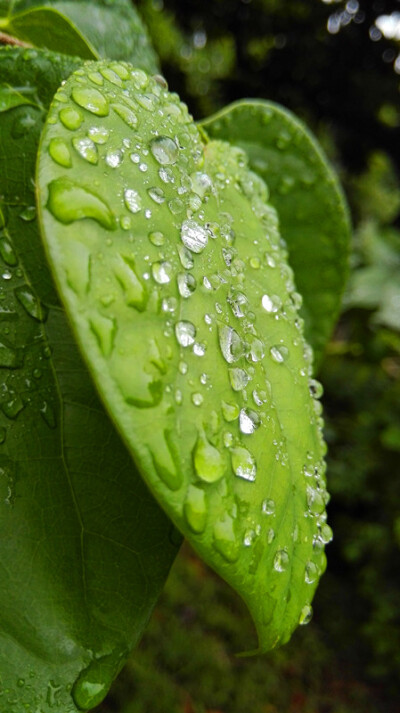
point(164, 150)
point(243, 463)
point(185, 333)
point(281, 561)
point(193, 236)
point(185, 257)
point(209, 463)
point(231, 344)
point(186, 284)
point(161, 272)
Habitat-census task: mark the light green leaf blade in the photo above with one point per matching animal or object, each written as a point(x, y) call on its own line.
point(46, 27)
point(84, 548)
point(11, 97)
point(115, 29)
point(312, 210)
point(171, 269)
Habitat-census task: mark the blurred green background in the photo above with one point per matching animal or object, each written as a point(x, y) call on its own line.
point(337, 65)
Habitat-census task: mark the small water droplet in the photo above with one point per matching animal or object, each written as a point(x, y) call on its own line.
point(183, 367)
point(98, 134)
point(281, 561)
point(169, 304)
point(231, 344)
point(7, 252)
point(48, 414)
point(243, 463)
point(193, 236)
point(91, 99)
point(256, 352)
point(161, 272)
point(60, 152)
point(306, 615)
point(239, 378)
point(186, 284)
point(132, 200)
point(268, 507)
point(316, 388)
point(114, 158)
point(195, 509)
point(255, 263)
point(185, 257)
point(28, 214)
point(31, 303)
point(271, 303)
point(157, 238)
point(197, 399)
point(311, 573)
point(199, 349)
point(225, 540)
point(279, 353)
point(230, 411)
point(185, 333)
point(157, 195)
point(164, 150)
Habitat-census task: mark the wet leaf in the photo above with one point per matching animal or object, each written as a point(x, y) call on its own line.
point(84, 548)
point(312, 211)
point(172, 271)
point(109, 30)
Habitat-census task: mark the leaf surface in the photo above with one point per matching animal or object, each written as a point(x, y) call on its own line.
point(84, 548)
point(171, 269)
point(312, 211)
point(114, 30)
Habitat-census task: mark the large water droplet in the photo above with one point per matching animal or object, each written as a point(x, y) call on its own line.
point(195, 509)
point(164, 150)
point(249, 421)
point(208, 462)
point(71, 118)
point(91, 99)
point(193, 236)
point(185, 257)
point(60, 152)
point(243, 463)
point(69, 202)
point(281, 561)
point(230, 343)
point(185, 333)
point(86, 148)
point(186, 284)
point(132, 200)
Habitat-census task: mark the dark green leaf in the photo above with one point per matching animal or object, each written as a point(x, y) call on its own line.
point(46, 27)
point(84, 549)
point(172, 272)
point(11, 97)
point(114, 29)
point(311, 207)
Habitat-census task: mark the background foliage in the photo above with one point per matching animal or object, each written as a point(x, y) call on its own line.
point(330, 63)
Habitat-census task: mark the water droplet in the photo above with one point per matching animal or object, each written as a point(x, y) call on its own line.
point(256, 352)
point(193, 236)
point(255, 263)
point(99, 134)
point(239, 378)
point(279, 353)
point(268, 507)
point(316, 388)
point(164, 150)
point(199, 349)
point(165, 462)
point(13, 407)
point(230, 343)
point(169, 304)
point(69, 202)
point(195, 509)
point(183, 367)
point(185, 257)
point(281, 561)
point(91, 99)
point(230, 412)
point(114, 158)
point(132, 200)
point(201, 183)
point(157, 238)
point(271, 303)
point(238, 304)
point(186, 284)
point(157, 195)
point(111, 76)
point(86, 148)
point(311, 572)
point(10, 357)
point(209, 463)
point(96, 78)
point(197, 399)
point(306, 615)
point(48, 414)
point(31, 303)
point(325, 534)
point(28, 214)
point(225, 541)
point(315, 500)
point(243, 463)
point(93, 683)
point(185, 333)
point(60, 152)
point(7, 252)
point(161, 272)
point(249, 421)
point(71, 118)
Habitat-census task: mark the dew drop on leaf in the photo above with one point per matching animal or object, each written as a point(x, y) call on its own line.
point(193, 236)
point(225, 540)
point(91, 99)
point(185, 333)
point(243, 463)
point(71, 118)
point(132, 200)
point(164, 150)
point(281, 561)
point(231, 344)
point(69, 201)
point(195, 508)
point(279, 353)
point(60, 152)
point(209, 463)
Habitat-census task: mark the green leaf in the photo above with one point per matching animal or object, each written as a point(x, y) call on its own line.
point(171, 269)
point(84, 548)
point(312, 211)
point(46, 27)
point(114, 29)
point(11, 97)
